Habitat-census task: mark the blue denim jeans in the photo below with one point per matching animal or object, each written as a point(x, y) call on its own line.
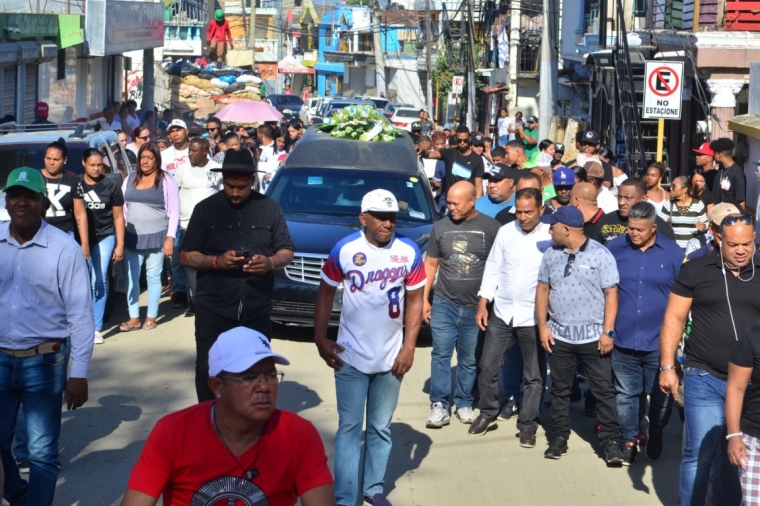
point(154, 262)
point(179, 271)
point(38, 383)
point(357, 392)
point(20, 446)
point(704, 398)
point(635, 372)
point(453, 327)
point(503, 140)
point(100, 257)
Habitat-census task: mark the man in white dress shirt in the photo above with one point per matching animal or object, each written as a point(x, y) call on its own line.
point(509, 280)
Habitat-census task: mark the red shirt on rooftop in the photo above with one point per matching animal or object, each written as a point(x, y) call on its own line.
point(218, 31)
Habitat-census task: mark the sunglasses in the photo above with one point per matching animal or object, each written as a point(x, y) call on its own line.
point(463, 141)
point(731, 220)
point(146, 138)
point(569, 266)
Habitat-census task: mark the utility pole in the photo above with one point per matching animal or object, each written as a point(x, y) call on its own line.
point(428, 57)
point(548, 77)
point(149, 81)
point(379, 53)
point(470, 68)
point(252, 34)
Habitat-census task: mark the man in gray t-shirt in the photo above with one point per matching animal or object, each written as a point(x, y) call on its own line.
point(457, 252)
point(577, 288)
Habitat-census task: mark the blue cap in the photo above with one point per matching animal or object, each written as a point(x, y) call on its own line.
point(567, 215)
point(563, 177)
point(448, 126)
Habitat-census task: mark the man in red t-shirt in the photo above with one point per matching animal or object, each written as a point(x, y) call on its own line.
point(217, 35)
point(237, 446)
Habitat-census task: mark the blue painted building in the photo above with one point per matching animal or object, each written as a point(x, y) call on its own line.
point(330, 74)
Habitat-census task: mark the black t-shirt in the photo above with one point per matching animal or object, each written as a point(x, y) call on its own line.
point(508, 215)
point(462, 248)
point(62, 192)
point(460, 167)
point(746, 353)
point(707, 197)
point(712, 329)
point(99, 201)
point(730, 186)
point(589, 228)
point(216, 226)
point(611, 225)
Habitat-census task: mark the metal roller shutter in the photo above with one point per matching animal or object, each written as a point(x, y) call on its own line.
point(30, 92)
point(357, 79)
point(8, 106)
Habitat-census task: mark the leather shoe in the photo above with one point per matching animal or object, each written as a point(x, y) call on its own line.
point(480, 426)
point(527, 438)
point(557, 448)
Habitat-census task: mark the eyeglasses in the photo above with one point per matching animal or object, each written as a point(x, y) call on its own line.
point(463, 141)
point(731, 220)
point(246, 380)
point(569, 266)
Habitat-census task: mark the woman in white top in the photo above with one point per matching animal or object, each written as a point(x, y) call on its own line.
point(140, 136)
point(653, 177)
point(685, 213)
point(506, 127)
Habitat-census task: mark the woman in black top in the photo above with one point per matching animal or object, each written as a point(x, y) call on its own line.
point(698, 190)
point(66, 209)
point(104, 202)
point(743, 422)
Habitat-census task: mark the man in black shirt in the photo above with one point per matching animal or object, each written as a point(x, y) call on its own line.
point(235, 239)
point(729, 184)
point(462, 164)
point(614, 224)
point(720, 290)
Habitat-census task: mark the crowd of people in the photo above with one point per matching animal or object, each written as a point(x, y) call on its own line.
point(542, 274)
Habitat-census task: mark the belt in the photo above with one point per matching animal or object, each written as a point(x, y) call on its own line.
point(49, 346)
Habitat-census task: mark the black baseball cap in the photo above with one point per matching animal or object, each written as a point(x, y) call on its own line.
point(478, 140)
point(531, 119)
point(559, 148)
point(501, 171)
point(591, 137)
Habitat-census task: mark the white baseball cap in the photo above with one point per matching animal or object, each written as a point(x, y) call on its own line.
point(381, 201)
point(177, 123)
point(239, 349)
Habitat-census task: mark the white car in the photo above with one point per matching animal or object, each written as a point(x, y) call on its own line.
point(308, 110)
point(403, 117)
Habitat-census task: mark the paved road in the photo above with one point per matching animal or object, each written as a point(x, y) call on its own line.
point(137, 377)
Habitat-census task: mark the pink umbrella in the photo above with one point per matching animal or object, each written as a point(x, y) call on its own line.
point(249, 111)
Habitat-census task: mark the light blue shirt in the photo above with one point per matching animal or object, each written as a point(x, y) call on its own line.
point(486, 206)
point(45, 294)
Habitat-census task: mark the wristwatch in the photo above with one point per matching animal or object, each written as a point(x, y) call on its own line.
point(667, 368)
point(610, 333)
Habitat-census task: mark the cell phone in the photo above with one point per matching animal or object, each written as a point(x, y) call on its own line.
point(243, 253)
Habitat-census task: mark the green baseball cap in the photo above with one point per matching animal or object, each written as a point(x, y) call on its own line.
point(219, 14)
point(28, 178)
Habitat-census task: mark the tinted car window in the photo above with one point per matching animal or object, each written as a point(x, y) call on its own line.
point(13, 156)
point(285, 100)
point(339, 192)
point(407, 113)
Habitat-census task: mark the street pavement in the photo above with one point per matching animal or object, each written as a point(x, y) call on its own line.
point(137, 377)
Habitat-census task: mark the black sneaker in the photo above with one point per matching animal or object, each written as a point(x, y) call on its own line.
point(509, 410)
point(653, 450)
point(23, 466)
point(190, 310)
point(612, 454)
point(179, 301)
point(630, 452)
point(557, 448)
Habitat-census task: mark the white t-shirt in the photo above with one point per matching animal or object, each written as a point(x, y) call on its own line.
point(115, 125)
point(503, 125)
point(195, 184)
point(173, 158)
point(133, 121)
point(606, 201)
point(375, 281)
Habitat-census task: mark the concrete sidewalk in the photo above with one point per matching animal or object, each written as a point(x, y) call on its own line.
point(140, 376)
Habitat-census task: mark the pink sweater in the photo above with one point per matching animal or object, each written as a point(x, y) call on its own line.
point(171, 202)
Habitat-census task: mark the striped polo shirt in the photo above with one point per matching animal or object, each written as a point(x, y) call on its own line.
point(684, 219)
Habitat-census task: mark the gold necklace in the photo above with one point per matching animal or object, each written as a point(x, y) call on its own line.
point(250, 474)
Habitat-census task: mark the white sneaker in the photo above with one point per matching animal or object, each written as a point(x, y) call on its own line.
point(465, 415)
point(438, 417)
point(99, 338)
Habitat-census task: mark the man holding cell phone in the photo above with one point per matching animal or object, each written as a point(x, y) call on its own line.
point(235, 239)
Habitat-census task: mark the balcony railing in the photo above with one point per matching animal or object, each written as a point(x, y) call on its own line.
point(530, 47)
point(189, 12)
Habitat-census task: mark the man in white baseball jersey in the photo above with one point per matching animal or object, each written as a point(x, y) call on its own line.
point(378, 269)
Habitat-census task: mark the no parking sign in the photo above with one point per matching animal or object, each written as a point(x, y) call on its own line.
point(663, 90)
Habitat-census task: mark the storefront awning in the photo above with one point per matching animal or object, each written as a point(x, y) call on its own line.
point(335, 68)
point(289, 65)
point(747, 124)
